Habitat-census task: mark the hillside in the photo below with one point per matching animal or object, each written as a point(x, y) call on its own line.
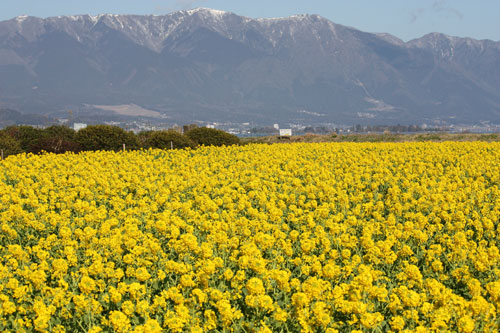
point(209, 65)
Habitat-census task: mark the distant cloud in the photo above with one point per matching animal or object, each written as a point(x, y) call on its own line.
point(415, 15)
point(171, 6)
point(439, 7)
point(442, 6)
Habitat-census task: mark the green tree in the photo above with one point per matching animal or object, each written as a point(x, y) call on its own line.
point(105, 137)
point(166, 140)
point(57, 139)
point(9, 145)
point(27, 136)
point(212, 137)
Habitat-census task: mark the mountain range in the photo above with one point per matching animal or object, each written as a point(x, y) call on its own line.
point(209, 65)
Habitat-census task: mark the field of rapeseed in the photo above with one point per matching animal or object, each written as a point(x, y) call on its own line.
point(282, 238)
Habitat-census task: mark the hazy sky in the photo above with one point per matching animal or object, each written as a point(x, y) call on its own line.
point(406, 19)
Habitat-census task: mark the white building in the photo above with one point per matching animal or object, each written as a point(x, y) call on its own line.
point(285, 132)
point(79, 126)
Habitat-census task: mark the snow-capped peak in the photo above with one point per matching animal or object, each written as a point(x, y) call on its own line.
point(213, 12)
point(21, 18)
point(390, 38)
point(297, 17)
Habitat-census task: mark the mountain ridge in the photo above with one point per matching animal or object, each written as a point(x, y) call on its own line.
point(220, 65)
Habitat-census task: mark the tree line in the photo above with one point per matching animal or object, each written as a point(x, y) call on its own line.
point(61, 139)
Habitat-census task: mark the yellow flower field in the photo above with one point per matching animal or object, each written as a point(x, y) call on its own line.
point(327, 237)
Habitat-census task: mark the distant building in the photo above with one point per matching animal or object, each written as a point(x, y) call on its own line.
point(79, 126)
point(177, 129)
point(285, 132)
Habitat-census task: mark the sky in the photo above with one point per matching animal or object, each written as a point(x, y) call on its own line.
point(406, 19)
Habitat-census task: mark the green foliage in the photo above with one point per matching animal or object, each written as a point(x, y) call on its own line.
point(187, 128)
point(57, 139)
point(27, 136)
point(143, 136)
point(212, 137)
point(166, 140)
point(105, 137)
point(9, 145)
point(489, 137)
point(428, 137)
point(59, 131)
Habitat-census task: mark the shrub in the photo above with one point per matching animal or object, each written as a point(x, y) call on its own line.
point(489, 137)
point(105, 137)
point(56, 145)
point(27, 136)
point(57, 139)
point(428, 137)
point(187, 128)
point(212, 137)
point(9, 145)
point(143, 136)
point(59, 131)
point(166, 140)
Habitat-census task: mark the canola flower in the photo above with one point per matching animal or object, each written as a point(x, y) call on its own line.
point(303, 237)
